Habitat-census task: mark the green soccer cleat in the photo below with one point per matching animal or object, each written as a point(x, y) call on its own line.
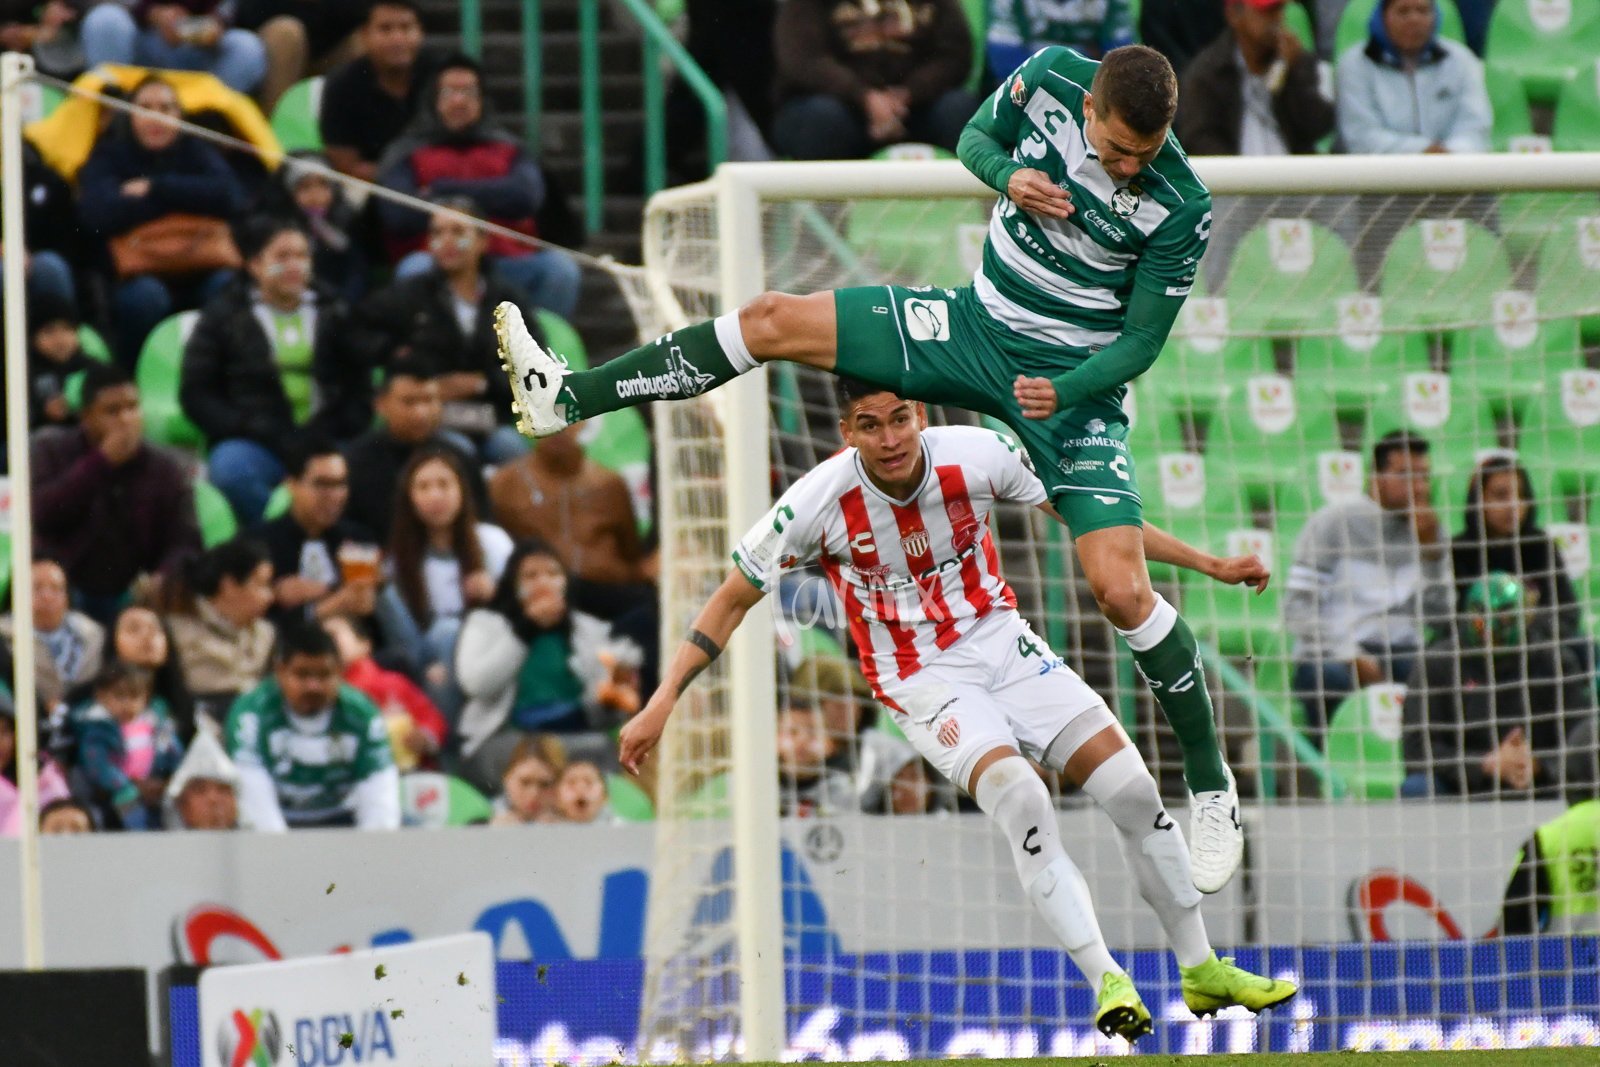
point(1121, 1012)
point(1216, 984)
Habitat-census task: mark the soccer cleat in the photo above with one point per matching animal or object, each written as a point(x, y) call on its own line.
point(1216, 838)
point(1120, 1012)
point(535, 375)
point(1217, 984)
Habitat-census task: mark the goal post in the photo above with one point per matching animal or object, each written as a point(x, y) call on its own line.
point(823, 932)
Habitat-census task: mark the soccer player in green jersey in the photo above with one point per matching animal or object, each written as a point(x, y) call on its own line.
point(1093, 246)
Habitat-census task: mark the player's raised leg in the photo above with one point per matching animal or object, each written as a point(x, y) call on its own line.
point(1168, 656)
point(684, 363)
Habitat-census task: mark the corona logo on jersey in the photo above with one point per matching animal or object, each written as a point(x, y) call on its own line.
point(250, 1038)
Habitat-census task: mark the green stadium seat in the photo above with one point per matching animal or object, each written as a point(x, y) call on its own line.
point(1203, 356)
point(628, 802)
point(1508, 360)
point(158, 374)
point(94, 346)
point(1268, 427)
point(1569, 273)
point(940, 242)
point(5, 578)
point(1544, 43)
point(295, 118)
point(1560, 442)
point(277, 503)
point(1363, 742)
point(217, 523)
point(1442, 272)
point(1575, 126)
point(1297, 20)
point(1513, 123)
point(977, 12)
point(1352, 28)
point(39, 101)
point(1363, 358)
point(1284, 280)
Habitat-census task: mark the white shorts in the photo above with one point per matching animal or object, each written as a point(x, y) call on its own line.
point(1000, 685)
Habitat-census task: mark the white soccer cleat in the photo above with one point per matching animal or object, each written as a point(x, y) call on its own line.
point(1216, 837)
point(535, 375)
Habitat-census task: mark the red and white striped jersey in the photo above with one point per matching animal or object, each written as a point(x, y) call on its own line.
point(913, 575)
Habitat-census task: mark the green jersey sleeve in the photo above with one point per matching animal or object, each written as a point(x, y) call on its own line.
point(991, 134)
point(1172, 256)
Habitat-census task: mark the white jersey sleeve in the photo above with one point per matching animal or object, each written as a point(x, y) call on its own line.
point(788, 536)
point(1012, 474)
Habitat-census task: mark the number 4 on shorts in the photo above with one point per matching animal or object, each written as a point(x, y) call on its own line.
point(1026, 647)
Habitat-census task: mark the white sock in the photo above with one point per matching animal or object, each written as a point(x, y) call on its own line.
point(730, 335)
point(1155, 627)
point(1012, 795)
point(1154, 850)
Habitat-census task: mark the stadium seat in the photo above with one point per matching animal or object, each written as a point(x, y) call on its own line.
point(1560, 441)
point(277, 503)
point(94, 346)
point(1508, 359)
point(430, 799)
point(217, 523)
point(1284, 279)
point(1513, 124)
point(158, 373)
point(899, 239)
point(1268, 428)
point(1363, 742)
point(628, 802)
point(1202, 356)
point(1442, 272)
point(295, 119)
point(5, 575)
point(1297, 20)
point(1543, 43)
point(1352, 28)
point(978, 21)
point(1576, 124)
point(1569, 273)
point(1363, 358)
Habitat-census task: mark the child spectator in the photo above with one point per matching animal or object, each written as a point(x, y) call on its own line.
point(65, 816)
point(54, 355)
point(528, 782)
point(127, 749)
point(581, 794)
point(52, 784)
point(322, 209)
point(416, 729)
point(217, 613)
point(528, 662)
point(139, 637)
point(442, 561)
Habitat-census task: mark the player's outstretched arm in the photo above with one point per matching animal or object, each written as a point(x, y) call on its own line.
point(1162, 547)
point(706, 639)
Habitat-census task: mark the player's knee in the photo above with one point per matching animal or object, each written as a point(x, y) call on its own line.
point(1126, 791)
point(1013, 796)
point(767, 322)
point(1125, 601)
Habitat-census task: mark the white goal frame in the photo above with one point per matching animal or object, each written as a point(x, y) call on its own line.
point(739, 191)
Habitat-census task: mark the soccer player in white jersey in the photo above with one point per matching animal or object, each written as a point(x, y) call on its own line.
point(1093, 246)
point(899, 522)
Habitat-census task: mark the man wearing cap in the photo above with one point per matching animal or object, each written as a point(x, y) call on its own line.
point(1489, 708)
point(1255, 90)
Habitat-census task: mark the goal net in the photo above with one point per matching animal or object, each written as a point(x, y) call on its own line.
point(1406, 824)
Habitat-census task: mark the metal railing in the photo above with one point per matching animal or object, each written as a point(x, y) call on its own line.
point(656, 42)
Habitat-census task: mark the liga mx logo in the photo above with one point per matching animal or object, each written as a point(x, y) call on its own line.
point(250, 1039)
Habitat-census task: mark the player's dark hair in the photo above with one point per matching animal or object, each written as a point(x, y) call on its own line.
point(848, 390)
point(1397, 441)
point(302, 637)
point(1136, 84)
point(97, 378)
point(303, 449)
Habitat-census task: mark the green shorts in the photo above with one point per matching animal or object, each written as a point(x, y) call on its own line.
point(941, 347)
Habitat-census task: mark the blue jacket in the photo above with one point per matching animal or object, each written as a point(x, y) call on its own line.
point(188, 177)
point(1385, 108)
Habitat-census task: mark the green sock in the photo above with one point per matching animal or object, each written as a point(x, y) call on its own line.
point(685, 363)
point(1172, 667)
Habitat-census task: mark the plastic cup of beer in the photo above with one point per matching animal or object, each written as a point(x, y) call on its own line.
point(358, 562)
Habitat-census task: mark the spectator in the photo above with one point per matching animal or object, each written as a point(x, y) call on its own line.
point(456, 148)
point(111, 507)
point(808, 781)
point(446, 317)
point(127, 749)
point(53, 231)
point(409, 411)
point(217, 615)
point(311, 751)
point(528, 662)
point(442, 562)
point(140, 638)
point(65, 816)
point(368, 102)
point(1492, 701)
point(1542, 895)
point(72, 642)
point(1368, 577)
point(320, 205)
point(181, 35)
point(52, 783)
point(311, 545)
point(1180, 29)
point(300, 38)
point(1407, 89)
point(855, 77)
point(204, 792)
point(1019, 28)
point(143, 170)
point(580, 794)
point(1255, 90)
point(54, 355)
point(46, 30)
point(528, 783)
point(1500, 531)
point(417, 731)
point(732, 42)
point(271, 354)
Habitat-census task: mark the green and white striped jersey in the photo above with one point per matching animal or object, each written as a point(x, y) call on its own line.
point(1067, 281)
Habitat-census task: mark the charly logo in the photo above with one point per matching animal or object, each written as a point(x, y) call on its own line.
point(1125, 201)
point(250, 1039)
